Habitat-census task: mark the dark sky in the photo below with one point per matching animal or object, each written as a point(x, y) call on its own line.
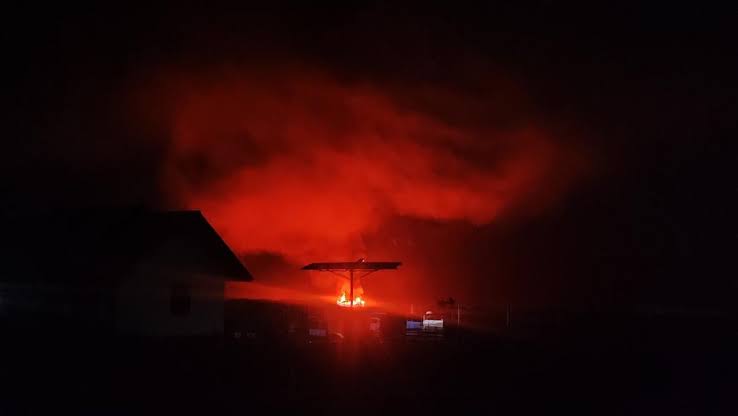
point(609, 179)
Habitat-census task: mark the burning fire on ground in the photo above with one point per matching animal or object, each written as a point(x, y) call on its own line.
point(346, 302)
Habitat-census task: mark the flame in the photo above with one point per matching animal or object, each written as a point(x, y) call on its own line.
point(345, 302)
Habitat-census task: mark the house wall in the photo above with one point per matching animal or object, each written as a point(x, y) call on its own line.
point(144, 300)
point(144, 304)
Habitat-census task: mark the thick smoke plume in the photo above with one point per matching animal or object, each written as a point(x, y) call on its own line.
point(303, 165)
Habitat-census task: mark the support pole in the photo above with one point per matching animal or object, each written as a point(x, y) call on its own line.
point(458, 315)
point(351, 273)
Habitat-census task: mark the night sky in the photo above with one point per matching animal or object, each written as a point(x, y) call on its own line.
point(539, 154)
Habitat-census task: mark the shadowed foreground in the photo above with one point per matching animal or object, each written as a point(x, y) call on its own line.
point(684, 367)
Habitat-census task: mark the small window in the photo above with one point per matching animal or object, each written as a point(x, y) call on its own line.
point(180, 300)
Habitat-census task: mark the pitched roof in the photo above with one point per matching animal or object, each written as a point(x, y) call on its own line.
point(64, 246)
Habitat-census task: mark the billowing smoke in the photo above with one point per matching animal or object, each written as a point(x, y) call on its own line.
point(308, 167)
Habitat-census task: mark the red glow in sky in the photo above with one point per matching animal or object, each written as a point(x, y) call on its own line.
point(304, 166)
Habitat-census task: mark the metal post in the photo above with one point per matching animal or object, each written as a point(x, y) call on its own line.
point(351, 273)
point(458, 314)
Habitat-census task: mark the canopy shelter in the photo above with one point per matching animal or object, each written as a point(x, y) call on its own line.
point(361, 265)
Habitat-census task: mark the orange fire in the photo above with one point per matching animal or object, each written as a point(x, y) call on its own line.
point(346, 302)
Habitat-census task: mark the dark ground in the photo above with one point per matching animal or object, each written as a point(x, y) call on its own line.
point(650, 366)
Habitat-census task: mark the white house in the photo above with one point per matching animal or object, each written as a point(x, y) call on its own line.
point(115, 271)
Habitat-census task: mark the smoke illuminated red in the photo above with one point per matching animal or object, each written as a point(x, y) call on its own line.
point(299, 164)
